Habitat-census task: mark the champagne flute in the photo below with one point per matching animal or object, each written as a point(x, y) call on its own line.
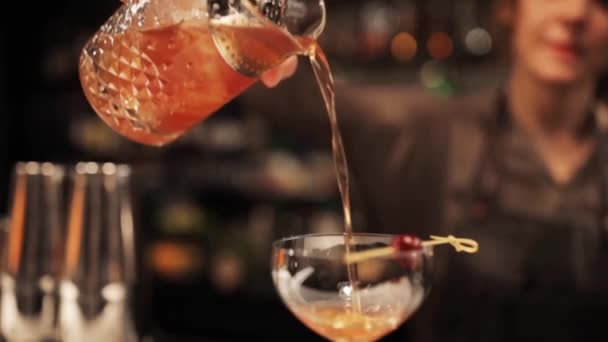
point(32, 261)
point(99, 265)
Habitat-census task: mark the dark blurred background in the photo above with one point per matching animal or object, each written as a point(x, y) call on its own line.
point(210, 204)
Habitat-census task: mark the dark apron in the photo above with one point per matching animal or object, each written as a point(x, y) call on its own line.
point(532, 279)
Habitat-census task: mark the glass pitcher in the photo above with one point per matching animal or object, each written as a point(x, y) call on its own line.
point(158, 67)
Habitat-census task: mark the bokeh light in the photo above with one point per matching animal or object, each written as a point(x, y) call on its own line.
point(379, 18)
point(378, 21)
point(440, 45)
point(173, 260)
point(433, 76)
point(403, 47)
point(228, 272)
point(478, 41)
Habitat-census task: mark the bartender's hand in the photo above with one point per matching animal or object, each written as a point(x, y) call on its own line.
point(273, 77)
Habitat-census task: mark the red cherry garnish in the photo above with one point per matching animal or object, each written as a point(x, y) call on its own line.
point(407, 243)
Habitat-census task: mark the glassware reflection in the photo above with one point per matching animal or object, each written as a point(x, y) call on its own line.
point(32, 264)
point(99, 267)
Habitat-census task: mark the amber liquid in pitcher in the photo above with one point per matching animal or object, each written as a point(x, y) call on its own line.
point(153, 85)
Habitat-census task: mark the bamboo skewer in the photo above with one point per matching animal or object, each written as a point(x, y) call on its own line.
point(459, 244)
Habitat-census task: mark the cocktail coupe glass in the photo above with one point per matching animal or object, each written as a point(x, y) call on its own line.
point(311, 277)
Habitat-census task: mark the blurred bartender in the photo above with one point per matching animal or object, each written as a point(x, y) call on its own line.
point(522, 169)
